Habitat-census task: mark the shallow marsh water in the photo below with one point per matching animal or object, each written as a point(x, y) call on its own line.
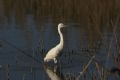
point(24, 43)
point(22, 58)
point(22, 52)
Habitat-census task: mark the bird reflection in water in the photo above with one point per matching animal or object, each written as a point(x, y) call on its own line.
point(53, 73)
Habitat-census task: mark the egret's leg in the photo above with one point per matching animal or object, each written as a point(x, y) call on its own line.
point(55, 68)
point(55, 60)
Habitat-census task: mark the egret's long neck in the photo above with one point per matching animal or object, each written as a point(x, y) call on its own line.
point(61, 37)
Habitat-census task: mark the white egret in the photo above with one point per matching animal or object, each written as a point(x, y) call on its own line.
point(55, 51)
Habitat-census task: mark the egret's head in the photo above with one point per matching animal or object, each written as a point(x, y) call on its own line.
point(61, 25)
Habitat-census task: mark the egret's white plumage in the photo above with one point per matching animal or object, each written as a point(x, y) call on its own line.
point(54, 52)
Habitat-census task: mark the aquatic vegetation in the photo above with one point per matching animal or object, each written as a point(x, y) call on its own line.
point(28, 23)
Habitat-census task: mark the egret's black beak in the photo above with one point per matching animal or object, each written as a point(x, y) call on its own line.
point(73, 25)
point(65, 25)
